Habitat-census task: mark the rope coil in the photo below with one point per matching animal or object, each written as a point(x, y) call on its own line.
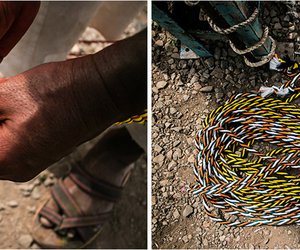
point(248, 163)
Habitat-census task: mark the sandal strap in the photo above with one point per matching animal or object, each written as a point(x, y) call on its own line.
point(72, 222)
point(64, 199)
point(93, 186)
point(74, 216)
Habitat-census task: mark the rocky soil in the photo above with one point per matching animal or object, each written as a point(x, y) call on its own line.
point(19, 202)
point(183, 93)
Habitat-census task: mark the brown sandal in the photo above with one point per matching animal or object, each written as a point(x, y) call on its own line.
point(71, 227)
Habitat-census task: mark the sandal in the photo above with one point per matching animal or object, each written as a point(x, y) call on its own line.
point(69, 226)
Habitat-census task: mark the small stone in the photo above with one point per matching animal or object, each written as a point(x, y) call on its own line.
point(26, 193)
point(173, 111)
point(36, 194)
point(154, 200)
point(222, 238)
point(205, 242)
point(161, 84)
point(277, 26)
point(159, 43)
point(164, 183)
point(75, 49)
point(217, 53)
point(13, 204)
point(35, 246)
point(207, 89)
point(206, 224)
point(31, 209)
point(287, 18)
point(25, 240)
point(185, 239)
point(218, 73)
point(157, 148)
point(289, 232)
point(292, 35)
point(27, 187)
point(210, 62)
point(176, 143)
point(219, 95)
point(187, 211)
point(292, 28)
point(49, 182)
point(71, 234)
point(273, 13)
point(176, 214)
point(45, 222)
point(171, 61)
point(154, 221)
point(197, 86)
point(158, 159)
point(180, 83)
point(228, 78)
point(206, 75)
point(191, 159)
point(194, 79)
point(224, 64)
point(251, 247)
point(169, 154)
point(186, 97)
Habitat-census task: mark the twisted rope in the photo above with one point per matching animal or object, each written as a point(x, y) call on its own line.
point(248, 164)
point(140, 119)
point(264, 59)
point(252, 48)
point(235, 27)
point(191, 3)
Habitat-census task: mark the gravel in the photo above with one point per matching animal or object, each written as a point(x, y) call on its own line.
point(193, 88)
point(25, 240)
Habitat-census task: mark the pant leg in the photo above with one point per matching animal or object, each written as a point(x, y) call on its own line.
point(139, 134)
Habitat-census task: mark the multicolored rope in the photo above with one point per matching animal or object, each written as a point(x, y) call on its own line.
point(248, 164)
point(140, 119)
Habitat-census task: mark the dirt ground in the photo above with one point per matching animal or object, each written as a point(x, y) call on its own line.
point(183, 94)
point(127, 228)
point(20, 201)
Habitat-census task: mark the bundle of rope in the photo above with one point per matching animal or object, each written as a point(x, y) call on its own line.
point(248, 163)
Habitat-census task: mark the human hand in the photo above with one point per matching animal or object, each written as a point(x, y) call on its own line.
point(15, 19)
point(49, 110)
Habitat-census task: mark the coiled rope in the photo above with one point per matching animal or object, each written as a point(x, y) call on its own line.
point(248, 164)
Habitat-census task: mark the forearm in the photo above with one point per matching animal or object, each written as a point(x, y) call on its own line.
point(116, 79)
point(103, 88)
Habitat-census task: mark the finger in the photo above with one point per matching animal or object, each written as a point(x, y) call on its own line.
point(20, 25)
